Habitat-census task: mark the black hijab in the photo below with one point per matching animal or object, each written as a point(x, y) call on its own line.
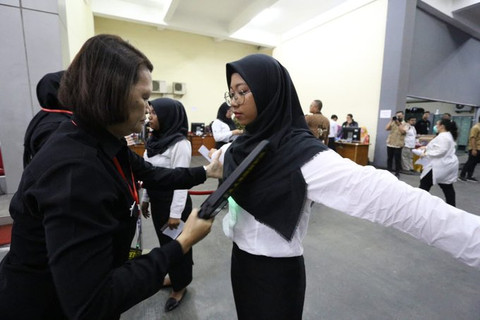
point(46, 121)
point(47, 89)
point(222, 116)
point(274, 192)
point(173, 122)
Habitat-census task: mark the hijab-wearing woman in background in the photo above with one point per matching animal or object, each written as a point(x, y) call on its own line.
point(168, 147)
point(76, 208)
point(223, 128)
point(269, 212)
point(442, 162)
point(47, 120)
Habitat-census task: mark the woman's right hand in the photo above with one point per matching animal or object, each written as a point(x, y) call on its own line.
point(215, 168)
point(194, 230)
point(144, 208)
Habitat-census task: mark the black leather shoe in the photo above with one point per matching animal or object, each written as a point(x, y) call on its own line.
point(172, 303)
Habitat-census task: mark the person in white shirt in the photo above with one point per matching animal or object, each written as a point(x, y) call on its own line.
point(269, 211)
point(332, 134)
point(168, 147)
point(410, 139)
point(223, 128)
point(442, 162)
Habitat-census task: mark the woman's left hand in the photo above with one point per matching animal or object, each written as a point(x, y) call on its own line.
point(173, 223)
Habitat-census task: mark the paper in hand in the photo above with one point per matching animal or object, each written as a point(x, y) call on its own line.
point(418, 152)
point(173, 233)
point(204, 152)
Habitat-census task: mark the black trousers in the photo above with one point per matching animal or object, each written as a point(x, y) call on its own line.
point(394, 154)
point(267, 288)
point(181, 272)
point(448, 190)
point(469, 166)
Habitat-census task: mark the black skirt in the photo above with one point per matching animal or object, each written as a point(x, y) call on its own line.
point(267, 288)
point(181, 272)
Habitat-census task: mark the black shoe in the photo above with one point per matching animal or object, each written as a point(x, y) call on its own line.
point(172, 303)
point(462, 178)
point(397, 175)
point(472, 179)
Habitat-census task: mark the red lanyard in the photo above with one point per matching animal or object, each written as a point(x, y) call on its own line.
point(57, 111)
point(133, 191)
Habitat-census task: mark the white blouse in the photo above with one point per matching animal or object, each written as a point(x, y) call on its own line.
point(367, 193)
point(441, 158)
point(410, 137)
point(333, 129)
point(221, 131)
point(178, 155)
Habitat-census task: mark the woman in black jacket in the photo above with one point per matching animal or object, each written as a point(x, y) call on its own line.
point(76, 207)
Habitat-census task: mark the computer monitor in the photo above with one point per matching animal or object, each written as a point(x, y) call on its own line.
point(351, 133)
point(196, 127)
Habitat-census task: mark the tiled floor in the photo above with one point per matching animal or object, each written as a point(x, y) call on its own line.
point(355, 270)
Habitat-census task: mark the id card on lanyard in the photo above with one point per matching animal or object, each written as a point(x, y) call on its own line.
point(134, 209)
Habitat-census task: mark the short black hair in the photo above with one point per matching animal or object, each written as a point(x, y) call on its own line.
point(98, 82)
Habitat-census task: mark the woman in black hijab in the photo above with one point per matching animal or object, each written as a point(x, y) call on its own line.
point(269, 212)
point(168, 147)
point(47, 120)
point(223, 128)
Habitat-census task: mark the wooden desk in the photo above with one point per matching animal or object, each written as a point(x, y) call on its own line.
point(197, 141)
point(357, 152)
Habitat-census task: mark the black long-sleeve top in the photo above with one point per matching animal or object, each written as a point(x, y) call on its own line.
point(42, 125)
point(422, 126)
point(73, 228)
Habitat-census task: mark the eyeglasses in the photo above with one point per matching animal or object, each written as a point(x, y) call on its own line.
point(239, 97)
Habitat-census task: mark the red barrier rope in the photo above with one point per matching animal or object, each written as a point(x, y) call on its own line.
point(199, 192)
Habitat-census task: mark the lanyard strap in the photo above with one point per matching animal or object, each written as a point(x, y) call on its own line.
point(133, 191)
point(57, 111)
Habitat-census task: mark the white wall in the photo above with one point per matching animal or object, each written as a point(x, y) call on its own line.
point(198, 61)
point(340, 63)
point(79, 23)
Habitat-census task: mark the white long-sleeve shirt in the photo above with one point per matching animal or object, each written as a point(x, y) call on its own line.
point(221, 131)
point(178, 155)
point(367, 193)
point(333, 129)
point(440, 153)
point(410, 136)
